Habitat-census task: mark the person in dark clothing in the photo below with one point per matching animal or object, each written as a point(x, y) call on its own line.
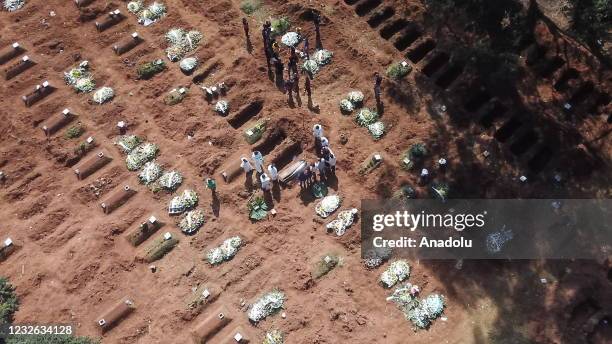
point(289, 89)
point(305, 178)
point(325, 152)
point(293, 55)
point(317, 24)
point(265, 32)
point(377, 82)
point(292, 65)
point(245, 26)
point(278, 65)
point(308, 88)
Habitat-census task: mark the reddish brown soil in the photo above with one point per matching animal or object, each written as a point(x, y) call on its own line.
point(73, 262)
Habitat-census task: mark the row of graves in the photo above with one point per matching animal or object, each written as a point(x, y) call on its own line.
point(221, 323)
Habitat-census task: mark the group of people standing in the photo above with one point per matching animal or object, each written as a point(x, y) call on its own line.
point(324, 166)
point(266, 179)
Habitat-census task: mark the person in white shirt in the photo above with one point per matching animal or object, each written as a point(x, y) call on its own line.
point(273, 172)
point(317, 132)
point(265, 182)
point(320, 166)
point(324, 142)
point(259, 161)
point(245, 165)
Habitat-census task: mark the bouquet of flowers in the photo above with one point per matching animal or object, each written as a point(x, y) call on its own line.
point(377, 130)
point(346, 106)
point(181, 42)
point(104, 94)
point(171, 180)
point(366, 117)
point(225, 252)
point(80, 78)
point(149, 15)
point(323, 57)
point(274, 337)
point(135, 6)
point(291, 39)
point(397, 271)
point(311, 66)
point(192, 221)
point(13, 5)
point(376, 257)
point(342, 222)
point(328, 205)
point(266, 305)
point(425, 311)
point(190, 198)
point(355, 97)
point(221, 107)
point(128, 142)
point(150, 172)
point(140, 155)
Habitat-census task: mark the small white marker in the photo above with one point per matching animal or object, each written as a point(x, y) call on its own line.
point(523, 179)
point(15, 45)
point(66, 112)
point(8, 242)
point(152, 219)
point(90, 140)
point(135, 35)
point(167, 236)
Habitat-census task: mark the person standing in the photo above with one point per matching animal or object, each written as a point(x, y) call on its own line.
point(324, 142)
point(273, 172)
point(377, 83)
point(265, 32)
point(245, 27)
point(317, 132)
point(289, 89)
point(325, 151)
point(319, 166)
point(317, 24)
point(331, 162)
point(304, 177)
point(265, 182)
point(246, 165)
point(308, 88)
point(258, 160)
point(211, 185)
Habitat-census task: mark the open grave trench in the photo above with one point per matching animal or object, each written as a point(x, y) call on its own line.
point(581, 95)
point(410, 38)
point(527, 145)
point(438, 65)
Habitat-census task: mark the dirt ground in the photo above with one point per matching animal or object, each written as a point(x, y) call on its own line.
point(73, 261)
